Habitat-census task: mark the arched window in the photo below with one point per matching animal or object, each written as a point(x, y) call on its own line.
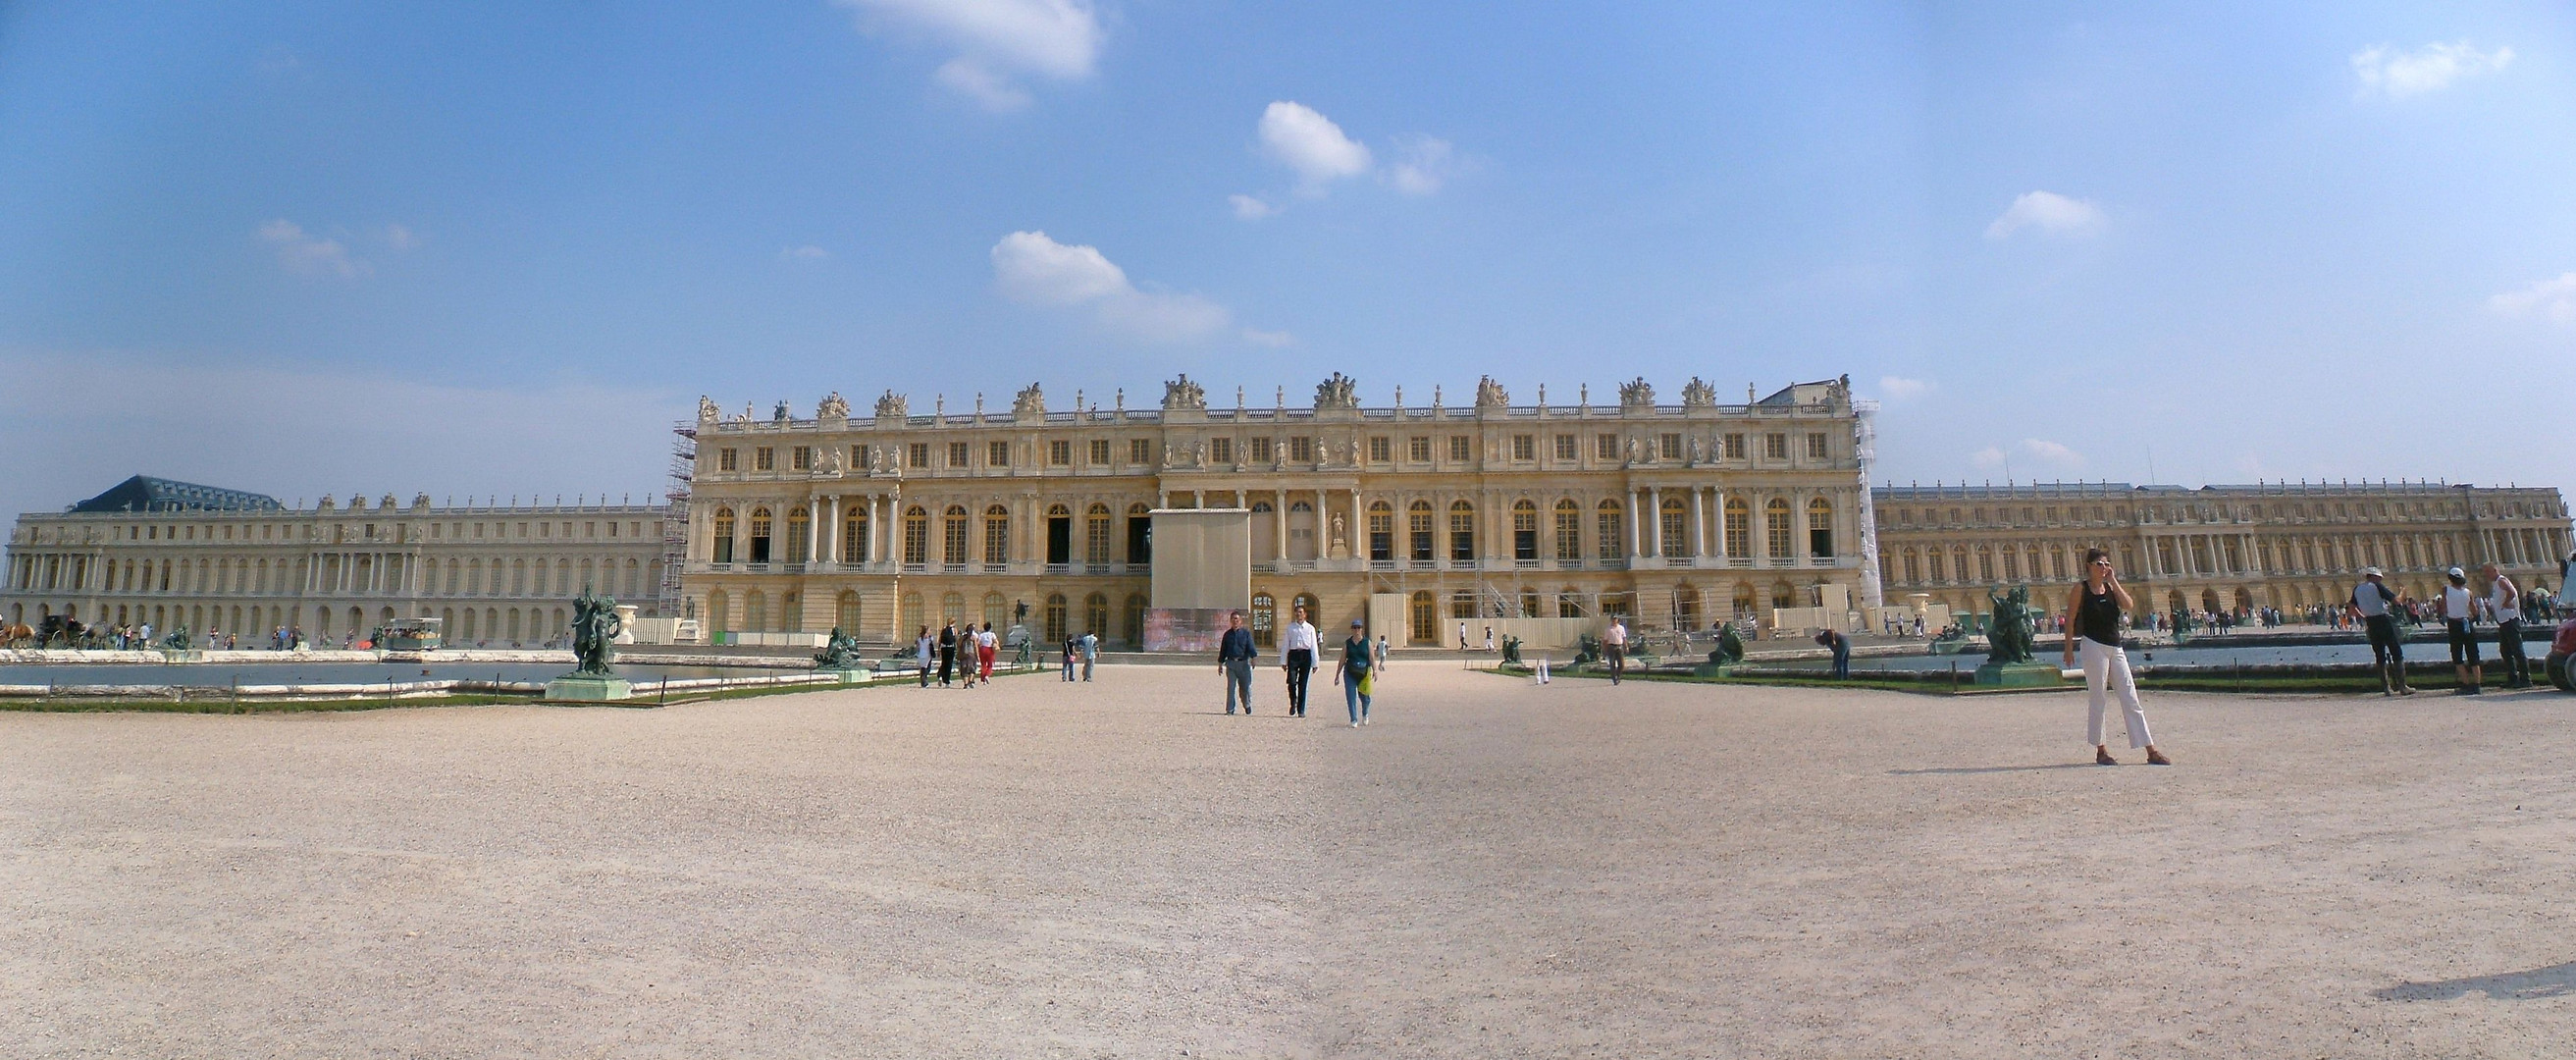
point(1985, 565)
point(952, 607)
point(800, 532)
point(952, 540)
point(1140, 549)
point(1265, 619)
point(1673, 528)
point(1913, 573)
point(1059, 539)
point(854, 534)
point(1425, 627)
point(1095, 537)
point(1462, 604)
point(916, 537)
point(1381, 531)
point(1739, 528)
point(997, 610)
point(519, 578)
point(1462, 532)
point(563, 577)
point(1777, 534)
point(997, 535)
point(1418, 532)
point(1132, 628)
point(465, 633)
point(1686, 607)
point(1569, 531)
point(1610, 530)
point(1525, 531)
point(760, 537)
point(755, 611)
point(912, 618)
point(1095, 614)
point(1055, 618)
point(1820, 529)
point(1784, 594)
point(1569, 603)
point(845, 612)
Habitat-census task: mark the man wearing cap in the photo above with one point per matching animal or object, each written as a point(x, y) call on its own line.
point(2460, 613)
point(2371, 600)
point(1234, 657)
point(2504, 605)
point(1354, 673)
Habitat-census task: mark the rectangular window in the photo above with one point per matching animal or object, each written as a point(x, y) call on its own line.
point(1060, 452)
point(728, 460)
point(1301, 449)
point(997, 454)
point(858, 456)
point(1816, 446)
point(1418, 525)
point(1672, 446)
point(1609, 536)
point(1735, 447)
point(1381, 449)
point(1100, 452)
point(1261, 449)
point(764, 459)
point(1569, 529)
point(1461, 449)
point(957, 453)
point(801, 458)
point(1605, 447)
point(1565, 447)
point(919, 454)
point(1775, 446)
point(1418, 449)
point(1462, 536)
point(1524, 447)
point(1221, 450)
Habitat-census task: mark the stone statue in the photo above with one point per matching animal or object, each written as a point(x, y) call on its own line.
point(831, 462)
point(707, 410)
point(1694, 449)
point(2009, 635)
point(1632, 450)
point(1198, 454)
point(891, 406)
point(779, 415)
point(1637, 394)
point(839, 653)
point(1730, 647)
point(1490, 394)
point(832, 408)
point(1340, 526)
point(1031, 403)
point(1338, 392)
point(595, 627)
point(1181, 393)
point(1698, 394)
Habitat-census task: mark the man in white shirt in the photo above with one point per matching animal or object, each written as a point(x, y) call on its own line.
point(1298, 650)
point(2371, 600)
point(2460, 613)
point(1614, 643)
point(2504, 605)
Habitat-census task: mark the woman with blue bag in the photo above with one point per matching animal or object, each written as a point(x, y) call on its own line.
point(1357, 677)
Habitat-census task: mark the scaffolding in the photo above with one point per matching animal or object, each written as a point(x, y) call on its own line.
point(675, 517)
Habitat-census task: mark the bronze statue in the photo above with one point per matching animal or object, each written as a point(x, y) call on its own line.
point(595, 627)
point(839, 653)
point(2009, 634)
point(1730, 647)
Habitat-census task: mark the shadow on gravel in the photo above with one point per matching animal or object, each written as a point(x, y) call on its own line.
point(1958, 771)
point(2557, 980)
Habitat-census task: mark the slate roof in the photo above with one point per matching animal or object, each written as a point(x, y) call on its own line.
point(143, 493)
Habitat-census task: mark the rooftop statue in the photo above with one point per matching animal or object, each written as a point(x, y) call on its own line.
point(832, 408)
point(1030, 402)
point(1637, 394)
point(1338, 392)
point(891, 406)
point(707, 410)
point(779, 415)
point(1181, 393)
point(1698, 394)
point(1490, 394)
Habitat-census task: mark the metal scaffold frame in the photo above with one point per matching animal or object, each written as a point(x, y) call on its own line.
point(675, 518)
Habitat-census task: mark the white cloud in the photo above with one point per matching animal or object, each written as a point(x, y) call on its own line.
point(310, 255)
point(2555, 299)
point(1250, 208)
point(2427, 69)
point(1424, 164)
point(1272, 339)
point(400, 237)
point(1899, 388)
point(2041, 451)
point(1988, 457)
point(2048, 452)
point(2048, 212)
point(1032, 269)
point(997, 40)
point(1311, 144)
point(803, 253)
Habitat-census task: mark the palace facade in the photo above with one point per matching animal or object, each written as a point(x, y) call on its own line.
point(1673, 514)
point(174, 553)
point(2214, 548)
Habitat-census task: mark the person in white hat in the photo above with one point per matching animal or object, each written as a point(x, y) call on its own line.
point(2504, 606)
point(2371, 601)
point(2460, 613)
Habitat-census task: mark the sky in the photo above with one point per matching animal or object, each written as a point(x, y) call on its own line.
point(479, 250)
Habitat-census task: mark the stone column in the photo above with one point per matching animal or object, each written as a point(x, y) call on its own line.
point(813, 534)
point(1279, 525)
point(1699, 522)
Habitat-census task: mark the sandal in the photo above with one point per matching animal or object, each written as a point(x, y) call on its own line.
point(2157, 758)
point(2103, 758)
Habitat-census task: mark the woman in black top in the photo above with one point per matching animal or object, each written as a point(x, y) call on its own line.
point(1353, 675)
point(2095, 606)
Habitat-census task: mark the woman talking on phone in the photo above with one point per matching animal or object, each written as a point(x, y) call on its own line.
point(2096, 605)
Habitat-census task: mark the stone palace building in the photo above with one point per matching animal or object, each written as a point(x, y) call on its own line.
point(2215, 548)
point(1670, 513)
point(174, 553)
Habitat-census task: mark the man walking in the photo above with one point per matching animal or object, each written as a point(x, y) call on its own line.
point(1298, 649)
point(1090, 652)
point(2504, 604)
point(2460, 613)
point(1614, 643)
point(2371, 600)
point(1234, 659)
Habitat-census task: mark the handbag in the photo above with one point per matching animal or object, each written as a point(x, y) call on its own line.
point(1368, 683)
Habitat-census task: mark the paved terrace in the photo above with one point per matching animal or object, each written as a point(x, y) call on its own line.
point(1116, 869)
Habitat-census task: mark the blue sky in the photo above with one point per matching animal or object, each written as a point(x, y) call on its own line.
point(468, 249)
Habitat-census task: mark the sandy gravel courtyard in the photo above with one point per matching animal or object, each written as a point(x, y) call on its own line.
point(1119, 870)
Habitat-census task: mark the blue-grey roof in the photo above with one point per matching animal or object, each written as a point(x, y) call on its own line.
point(143, 493)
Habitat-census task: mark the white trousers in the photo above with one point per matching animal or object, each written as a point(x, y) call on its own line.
point(2106, 669)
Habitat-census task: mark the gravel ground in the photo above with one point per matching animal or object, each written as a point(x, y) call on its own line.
point(1117, 869)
